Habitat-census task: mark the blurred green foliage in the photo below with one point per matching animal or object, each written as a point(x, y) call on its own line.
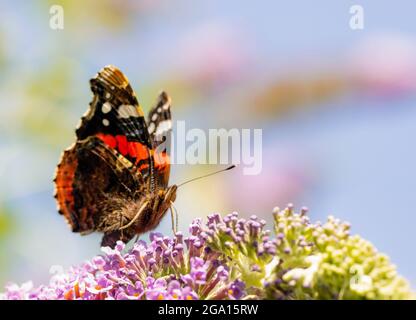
point(8, 226)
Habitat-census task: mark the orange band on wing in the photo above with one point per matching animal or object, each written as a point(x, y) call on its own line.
point(64, 180)
point(138, 151)
point(122, 145)
point(108, 139)
point(134, 151)
point(162, 161)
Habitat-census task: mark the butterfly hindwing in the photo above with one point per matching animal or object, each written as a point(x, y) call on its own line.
point(64, 190)
point(89, 179)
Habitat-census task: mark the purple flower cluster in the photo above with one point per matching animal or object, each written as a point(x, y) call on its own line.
point(232, 234)
point(233, 258)
point(166, 268)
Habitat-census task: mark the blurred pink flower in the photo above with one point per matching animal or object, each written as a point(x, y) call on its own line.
point(283, 179)
point(385, 64)
point(213, 54)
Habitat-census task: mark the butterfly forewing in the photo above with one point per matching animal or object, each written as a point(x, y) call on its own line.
point(159, 123)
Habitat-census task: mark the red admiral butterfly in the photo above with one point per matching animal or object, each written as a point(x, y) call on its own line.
point(114, 178)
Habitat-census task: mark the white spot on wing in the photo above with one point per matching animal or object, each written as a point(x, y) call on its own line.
point(106, 122)
point(163, 127)
point(127, 110)
point(106, 107)
point(151, 127)
point(107, 95)
point(159, 110)
point(166, 106)
point(154, 117)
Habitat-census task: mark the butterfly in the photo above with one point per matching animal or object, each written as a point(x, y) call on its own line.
point(114, 178)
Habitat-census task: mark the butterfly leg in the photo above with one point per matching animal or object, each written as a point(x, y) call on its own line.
point(139, 212)
point(110, 238)
point(175, 218)
point(137, 238)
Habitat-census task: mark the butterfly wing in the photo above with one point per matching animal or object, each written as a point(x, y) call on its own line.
point(116, 117)
point(159, 124)
point(91, 180)
point(64, 191)
point(159, 120)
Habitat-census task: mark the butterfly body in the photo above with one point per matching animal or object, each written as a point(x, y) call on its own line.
point(114, 178)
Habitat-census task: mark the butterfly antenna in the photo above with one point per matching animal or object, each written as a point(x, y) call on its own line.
point(207, 175)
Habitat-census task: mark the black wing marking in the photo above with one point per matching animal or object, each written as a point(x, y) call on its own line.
point(160, 128)
point(159, 121)
point(114, 109)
